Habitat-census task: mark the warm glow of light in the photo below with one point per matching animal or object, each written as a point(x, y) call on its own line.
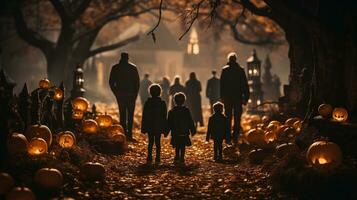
point(249, 101)
point(58, 94)
point(195, 49)
point(250, 71)
point(100, 73)
point(255, 71)
point(258, 102)
point(192, 46)
point(322, 161)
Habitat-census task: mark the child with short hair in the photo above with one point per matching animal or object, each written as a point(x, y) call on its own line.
point(218, 130)
point(181, 125)
point(154, 121)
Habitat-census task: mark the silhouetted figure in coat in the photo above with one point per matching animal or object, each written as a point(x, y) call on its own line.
point(165, 86)
point(144, 89)
point(181, 125)
point(176, 88)
point(212, 89)
point(234, 92)
point(154, 121)
point(124, 81)
point(218, 130)
point(192, 90)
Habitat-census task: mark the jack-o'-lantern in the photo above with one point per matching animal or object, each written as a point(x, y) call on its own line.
point(80, 103)
point(270, 136)
point(58, 94)
point(90, 126)
point(290, 122)
point(119, 138)
point(298, 125)
point(17, 143)
point(286, 148)
point(93, 171)
point(39, 131)
point(256, 156)
point(44, 83)
point(37, 146)
point(6, 183)
point(325, 110)
point(20, 193)
point(340, 114)
point(114, 130)
point(256, 136)
point(49, 178)
point(104, 121)
point(77, 114)
point(66, 139)
point(324, 153)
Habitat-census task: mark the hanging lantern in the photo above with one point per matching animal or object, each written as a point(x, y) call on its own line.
point(80, 103)
point(66, 139)
point(77, 114)
point(49, 178)
point(104, 121)
point(114, 130)
point(256, 136)
point(90, 126)
point(340, 114)
point(325, 110)
point(20, 193)
point(270, 136)
point(44, 83)
point(17, 143)
point(39, 131)
point(58, 94)
point(6, 183)
point(93, 171)
point(37, 146)
point(324, 153)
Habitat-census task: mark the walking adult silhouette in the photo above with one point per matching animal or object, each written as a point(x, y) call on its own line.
point(124, 82)
point(192, 91)
point(144, 89)
point(234, 93)
point(212, 89)
point(176, 88)
point(165, 86)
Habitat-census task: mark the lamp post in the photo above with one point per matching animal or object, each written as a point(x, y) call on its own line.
point(78, 83)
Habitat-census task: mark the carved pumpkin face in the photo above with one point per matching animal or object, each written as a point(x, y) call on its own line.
point(66, 139)
point(17, 143)
point(90, 126)
point(256, 136)
point(104, 121)
point(58, 94)
point(44, 83)
point(325, 110)
point(39, 131)
point(324, 153)
point(77, 114)
point(93, 171)
point(20, 193)
point(80, 103)
point(49, 178)
point(6, 183)
point(340, 114)
point(37, 146)
point(270, 136)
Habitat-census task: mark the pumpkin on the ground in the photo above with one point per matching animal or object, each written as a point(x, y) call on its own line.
point(6, 183)
point(114, 130)
point(90, 126)
point(44, 83)
point(20, 193)
point(104, 121)
point(270, 136)
point(66, 139)
point(325, 110)
point(49, 178)
point(340, 114)
point(121, 138)
point(17, 143)
point(287, 148)
point(37, 146)
point(256, 136)
point(93, 171)
point(324, 153)
point(290, 122)
point(80, 103)
point(39, 131)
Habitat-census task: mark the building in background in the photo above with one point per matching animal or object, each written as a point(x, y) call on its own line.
point(271, 83)
point(254, 81)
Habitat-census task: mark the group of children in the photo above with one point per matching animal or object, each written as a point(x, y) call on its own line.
point(178, 122)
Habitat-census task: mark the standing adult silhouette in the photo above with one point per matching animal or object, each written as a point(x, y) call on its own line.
point(234, 93)
point(192, 90)
point(175, 88)
point(213, 89)
point(124, 82)
point(144, 89)
point(165, 86)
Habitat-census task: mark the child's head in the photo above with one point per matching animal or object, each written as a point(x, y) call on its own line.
point(155, 90)
point(218, 107)
point(179, 98)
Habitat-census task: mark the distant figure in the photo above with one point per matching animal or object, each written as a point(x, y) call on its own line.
point(165, 86)
point(124, 81)
point(181, 125)
point(234, 93)
point(175, 88)
point(154, 121)
point(218, 130)
point(144, 89)
point(192, 90)
point(212, 89)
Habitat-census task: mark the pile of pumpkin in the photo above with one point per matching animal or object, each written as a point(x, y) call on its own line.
point(337, 114)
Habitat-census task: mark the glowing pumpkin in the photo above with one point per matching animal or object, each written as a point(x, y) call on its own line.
point(80, 103)
point(49, 178)
point(39, 131)
point(270, 136)
point(17, 143)
point(58, 94)
point(340, 114)
point(66, 139)
point(77, 114)
point(20, 193)
point(90, 126)
point(114, 130)
point(93, 171)
point(37, 146)
point(286, 148)
point(256, 136)
point(325, 110)
point(272, 127)
point(276, 123)
point(104, 121)
point(298, 125)
point(6, 183)
point(324, 153)
point(44, 83)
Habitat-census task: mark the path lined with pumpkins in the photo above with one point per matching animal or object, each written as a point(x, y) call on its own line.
point(95, 162)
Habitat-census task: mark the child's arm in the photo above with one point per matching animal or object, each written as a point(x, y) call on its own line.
point(144, 120)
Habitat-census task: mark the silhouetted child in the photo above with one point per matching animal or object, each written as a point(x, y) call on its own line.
point(154, 120)
point(181, 125)
point(218, 129)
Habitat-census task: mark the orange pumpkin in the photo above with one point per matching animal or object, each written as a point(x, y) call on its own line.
point(49, 178)
point(276, 123)
point(114, 130)
point(298, 125)
point(37, 146)
point(39, 131)
point(20, 193)
point(90, 126)
point(66, 139)
point(6, 183)
point(256, 136)
point(265, 120)
point(340, 114)
point(58, 94)
point(104, 121)
point(44, 83)
point(290, 122)
point(121, 138)
point(93, 171)
point(17, 143)
point(324, 154)
point(270, 136)
point(77, 114)
point(80, 103)
point(325, 110)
